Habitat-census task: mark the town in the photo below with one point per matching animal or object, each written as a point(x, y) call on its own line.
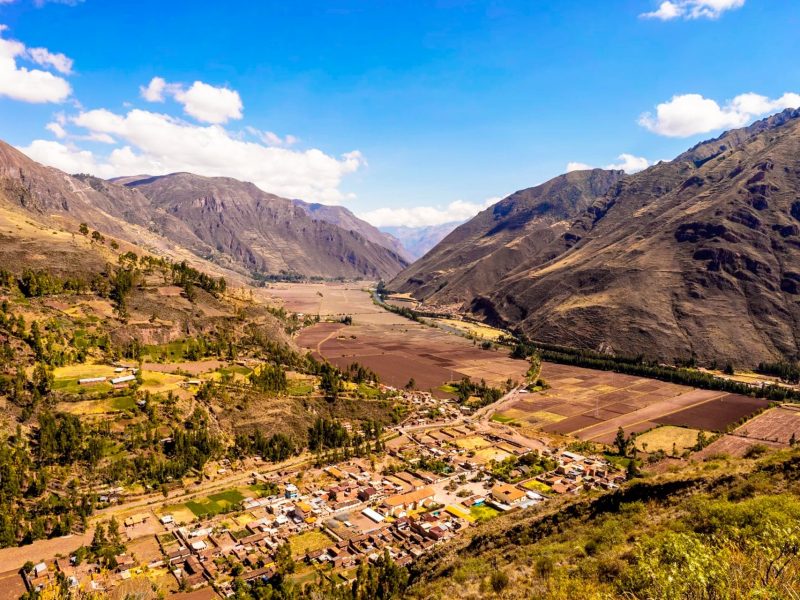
point(437, 477)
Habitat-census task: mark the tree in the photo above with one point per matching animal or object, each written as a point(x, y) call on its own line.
point(84, 229)
point(728, 370)
point(411, 384)
point(632, 470)
point(621, 442)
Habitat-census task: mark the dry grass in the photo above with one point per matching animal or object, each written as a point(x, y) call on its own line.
point(666, 437)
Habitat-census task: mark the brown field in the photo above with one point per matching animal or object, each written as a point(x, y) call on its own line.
point(667, 438)
point(396, 348)
point(592, 405)
point(731, 445)
point(717, 414)
point(774, 425)
point(324, 299)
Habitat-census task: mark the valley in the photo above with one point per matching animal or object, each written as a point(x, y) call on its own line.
point(413, 453)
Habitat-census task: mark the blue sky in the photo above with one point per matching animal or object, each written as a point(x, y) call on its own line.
point(406, 112)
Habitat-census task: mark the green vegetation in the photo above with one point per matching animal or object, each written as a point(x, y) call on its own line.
point(698, 535)
point(481, 512)
point(214, 504)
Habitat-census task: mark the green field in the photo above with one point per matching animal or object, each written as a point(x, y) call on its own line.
point(537, 486)
point(215, 504)
point(501, 418)
point(308, 542)
point(481, 512)
point(299, 387)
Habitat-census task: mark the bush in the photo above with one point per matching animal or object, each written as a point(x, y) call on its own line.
point(498, 580)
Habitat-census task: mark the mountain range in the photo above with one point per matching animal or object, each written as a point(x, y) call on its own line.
point(230, 223)
point(698, 257)
point(418, 241)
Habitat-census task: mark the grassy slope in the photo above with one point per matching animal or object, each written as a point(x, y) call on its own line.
point(709, 529)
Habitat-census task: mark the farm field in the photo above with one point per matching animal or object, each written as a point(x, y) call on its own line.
point(731, 445)
point(592, 405)
point(477, 330)
point(213, 504)
point(666, 439)
point(774, 425)
point(308, 542)
point(396, 348)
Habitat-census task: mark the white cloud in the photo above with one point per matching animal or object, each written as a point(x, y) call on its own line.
point(270, 138)
point(202, 101)
point(422, 216)
point(158, 144)
point(690, 114)
point(45, 58)
point(210, 104)
point(31, 85)
point(578, 166)
point(627, 162)
point(57, 129)
point(154, 91)
point(62, 156)
point(692, 9)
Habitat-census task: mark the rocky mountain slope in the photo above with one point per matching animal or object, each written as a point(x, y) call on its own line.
point(470, 261)
point(230, 223)
point(694, 257)
point(263, 232)
point(345, 219)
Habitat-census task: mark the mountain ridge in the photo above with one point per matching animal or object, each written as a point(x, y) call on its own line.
point(691, 258)
point(223, 220)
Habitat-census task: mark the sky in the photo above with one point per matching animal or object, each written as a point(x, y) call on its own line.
point(407, 113)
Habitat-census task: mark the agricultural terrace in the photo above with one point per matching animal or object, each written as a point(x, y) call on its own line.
point(593, 405)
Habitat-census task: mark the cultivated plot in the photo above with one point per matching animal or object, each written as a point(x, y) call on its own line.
point(398, 349)
point(593, 405)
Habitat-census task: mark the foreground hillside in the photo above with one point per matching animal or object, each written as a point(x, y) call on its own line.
point(231, 223)
point(722, 529)
point(690, 258)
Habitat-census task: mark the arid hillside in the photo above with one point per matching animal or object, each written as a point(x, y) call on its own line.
point(696, 257)
point(228, 222)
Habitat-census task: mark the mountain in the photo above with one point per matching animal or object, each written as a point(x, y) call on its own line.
point(418, 241)
point(470, 261)
point(263, 232)
point(696, 257)
point(343, 218)
point(228, 222)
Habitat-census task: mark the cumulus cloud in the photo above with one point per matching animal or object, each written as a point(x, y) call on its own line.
point(158, 144)
point(57, 129)
point(31, 85)
point(45, 58)
point(210, 104)
point(627, 162)
point(202, 101)
point(270, 138)
point(690, 114)
point(158, 89)
point(422, 216)
point(692, 9)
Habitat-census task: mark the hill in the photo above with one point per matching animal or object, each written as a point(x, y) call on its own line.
point(345, 219)
point(695, 257)
point(508, 236)
point(722, 529)
point(228, 222)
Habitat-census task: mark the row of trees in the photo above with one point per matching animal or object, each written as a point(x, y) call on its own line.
point(642, 368)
